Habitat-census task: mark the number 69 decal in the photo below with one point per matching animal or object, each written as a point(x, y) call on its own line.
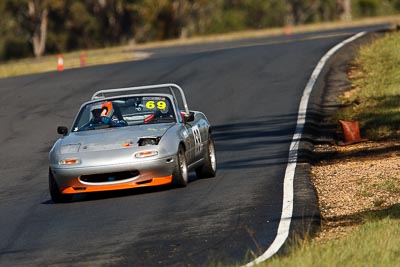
point(197, 139)
point(156, 104)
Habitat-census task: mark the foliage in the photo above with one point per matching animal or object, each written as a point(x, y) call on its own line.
point(35, 27)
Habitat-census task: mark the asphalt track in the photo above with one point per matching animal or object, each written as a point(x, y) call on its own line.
point(249, 89)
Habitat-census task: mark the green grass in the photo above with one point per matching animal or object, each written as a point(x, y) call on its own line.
point(390, 185)
point(376, 105)
point(375, 243)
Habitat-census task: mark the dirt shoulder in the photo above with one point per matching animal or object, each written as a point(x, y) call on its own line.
point(352, 181)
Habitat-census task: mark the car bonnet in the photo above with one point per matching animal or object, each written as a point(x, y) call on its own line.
point(110, 138)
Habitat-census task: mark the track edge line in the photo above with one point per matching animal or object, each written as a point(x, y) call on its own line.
point(288, 192)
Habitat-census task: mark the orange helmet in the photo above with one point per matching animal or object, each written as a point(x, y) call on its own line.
point(109, 107)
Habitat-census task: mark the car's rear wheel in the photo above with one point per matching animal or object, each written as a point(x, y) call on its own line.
point(180, 174)
point(209, 168)
point(55, 193)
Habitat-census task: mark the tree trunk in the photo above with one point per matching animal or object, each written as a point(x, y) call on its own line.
point(289, 17)
point(346, 10)
point(39, 24)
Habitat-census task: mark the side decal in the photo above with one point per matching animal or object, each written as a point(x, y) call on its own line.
point(198, 146)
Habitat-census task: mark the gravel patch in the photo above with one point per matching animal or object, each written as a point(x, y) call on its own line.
point(353, 180)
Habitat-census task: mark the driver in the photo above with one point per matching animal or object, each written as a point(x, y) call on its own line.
point(106, 115)
point(107, 112)
point(96, 116)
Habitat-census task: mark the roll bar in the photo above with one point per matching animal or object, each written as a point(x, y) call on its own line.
point(102, 93)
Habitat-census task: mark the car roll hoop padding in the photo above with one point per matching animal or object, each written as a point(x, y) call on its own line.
point(102, 93)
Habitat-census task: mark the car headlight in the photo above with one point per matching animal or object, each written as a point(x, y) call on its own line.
point(71, 148)
point(72, 161)
point(146, 154)
point(149, 141)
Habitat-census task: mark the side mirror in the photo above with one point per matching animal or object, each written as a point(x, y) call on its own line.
point(62, 130)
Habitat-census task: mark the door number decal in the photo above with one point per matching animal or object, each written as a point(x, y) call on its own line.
point(197, 139)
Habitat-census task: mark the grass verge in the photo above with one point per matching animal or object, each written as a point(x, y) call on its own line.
point(375, 243)
point(71, 60)
point(375, 98)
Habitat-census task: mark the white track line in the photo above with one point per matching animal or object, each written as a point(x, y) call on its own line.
point(287, 208)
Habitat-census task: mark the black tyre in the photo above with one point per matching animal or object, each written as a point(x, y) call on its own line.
point(55, 193)
point(180, 174)
point(209, 168)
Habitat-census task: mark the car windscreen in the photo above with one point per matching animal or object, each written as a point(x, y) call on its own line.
point(124, 111)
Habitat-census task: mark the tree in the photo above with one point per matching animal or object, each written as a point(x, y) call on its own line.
point(38, 16)
point(34, 27)
point(14, 37)
point(345, 7)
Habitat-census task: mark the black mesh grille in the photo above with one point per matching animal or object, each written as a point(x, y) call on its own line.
point(109, 177)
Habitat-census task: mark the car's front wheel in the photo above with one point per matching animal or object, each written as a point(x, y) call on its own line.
point(209, 168)
point(180, 174)
point(55, 193)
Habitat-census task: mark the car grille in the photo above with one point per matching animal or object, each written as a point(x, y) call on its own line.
point(109, 177)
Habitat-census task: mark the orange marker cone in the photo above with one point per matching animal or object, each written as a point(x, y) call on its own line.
point(82, 57)
point(351, 132)
point(288, 30)
point(60, 62)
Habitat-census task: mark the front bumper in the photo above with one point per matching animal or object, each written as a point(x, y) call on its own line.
point(150, 172)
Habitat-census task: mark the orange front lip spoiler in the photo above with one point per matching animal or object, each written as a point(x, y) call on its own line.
point(97, 188)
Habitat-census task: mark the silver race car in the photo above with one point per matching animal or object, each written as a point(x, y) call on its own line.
point(131, 137)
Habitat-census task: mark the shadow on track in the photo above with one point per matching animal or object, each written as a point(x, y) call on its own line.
point(255, 143)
